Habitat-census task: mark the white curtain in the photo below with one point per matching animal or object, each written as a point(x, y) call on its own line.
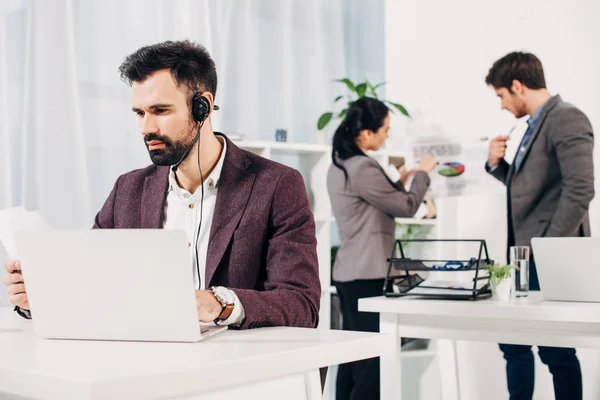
point(65, 122)
point(364, 40)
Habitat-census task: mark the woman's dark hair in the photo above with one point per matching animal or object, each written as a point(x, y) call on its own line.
point(523, 67)
point(190, 64)
point(364, 113)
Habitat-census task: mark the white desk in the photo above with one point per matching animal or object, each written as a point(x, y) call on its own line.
point(530, 321)
point(270, 363)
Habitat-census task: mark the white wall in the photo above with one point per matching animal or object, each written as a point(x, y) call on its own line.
point(438, 54)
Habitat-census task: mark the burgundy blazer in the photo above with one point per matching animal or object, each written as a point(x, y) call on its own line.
point(262, 242)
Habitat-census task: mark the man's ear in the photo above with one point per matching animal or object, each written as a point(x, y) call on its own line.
point(517, 87)
point(211, 100)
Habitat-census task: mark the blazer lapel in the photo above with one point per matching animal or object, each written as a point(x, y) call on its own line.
point(235, 186)
point(536, 130)
point(153, 199)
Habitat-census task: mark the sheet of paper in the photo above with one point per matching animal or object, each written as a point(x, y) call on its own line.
point(461, 159)
point(445, 287)
point(460, 170)
point(18, 219)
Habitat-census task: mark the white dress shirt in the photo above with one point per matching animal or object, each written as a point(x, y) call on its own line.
point(182, 211)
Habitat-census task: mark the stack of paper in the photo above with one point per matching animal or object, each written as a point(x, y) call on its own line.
point(18, 219)
point(445, 287)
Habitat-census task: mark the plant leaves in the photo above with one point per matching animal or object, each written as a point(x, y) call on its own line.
point(324, 120)
point(399, 107)
point(373, 88)
point(380, 84)
point(361, 90)
point(370, 88)
point(348, 83)
point(498, 272)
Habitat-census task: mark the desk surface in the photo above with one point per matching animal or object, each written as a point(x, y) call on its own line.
point(529, 308)
point(36, 367)
point(522, 321)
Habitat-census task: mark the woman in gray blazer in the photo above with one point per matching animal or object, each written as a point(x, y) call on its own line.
point(365, 202)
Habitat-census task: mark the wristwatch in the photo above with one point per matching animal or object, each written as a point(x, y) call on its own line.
point(227, 301)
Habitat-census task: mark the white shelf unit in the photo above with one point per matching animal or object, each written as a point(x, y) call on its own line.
point(406, 221)
point(313, 161)
point(413, 221)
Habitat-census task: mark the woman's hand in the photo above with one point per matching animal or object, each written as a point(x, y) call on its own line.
point(427, 163)
point(406, 174)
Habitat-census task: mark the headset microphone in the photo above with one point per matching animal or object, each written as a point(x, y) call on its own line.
point(174, 167)
point(200, 111)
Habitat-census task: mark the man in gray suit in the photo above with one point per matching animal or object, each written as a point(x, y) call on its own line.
point(549, 188)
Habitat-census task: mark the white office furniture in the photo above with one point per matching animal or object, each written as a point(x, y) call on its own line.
point(530, 321)
point(265, 363)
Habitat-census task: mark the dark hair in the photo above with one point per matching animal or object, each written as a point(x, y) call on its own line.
point(523, 67)
point(364, 113)
point(190, 64)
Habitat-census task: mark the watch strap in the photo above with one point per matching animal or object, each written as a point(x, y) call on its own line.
point(227, 307)
point(226, 312)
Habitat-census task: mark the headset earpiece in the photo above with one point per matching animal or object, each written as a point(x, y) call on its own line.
point(200, 107)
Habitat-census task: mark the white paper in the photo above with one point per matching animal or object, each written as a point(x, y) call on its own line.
point(18, 219)
point(461, 160)
point(392, 172)
point(461, 165)
point(445, 287)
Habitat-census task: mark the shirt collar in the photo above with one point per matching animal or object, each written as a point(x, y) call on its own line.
point(211, 180)
point(534, 118)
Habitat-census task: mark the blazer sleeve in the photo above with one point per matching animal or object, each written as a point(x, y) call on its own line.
point(105, 217)
point(500, 172)
point(573, 141)
point(292, 288)
point(372, 185)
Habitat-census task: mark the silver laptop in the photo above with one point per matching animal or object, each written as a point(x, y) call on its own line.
point(566, 268)
point(111, 285)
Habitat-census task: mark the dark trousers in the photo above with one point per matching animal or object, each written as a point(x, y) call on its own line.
point(360, 379)
point(562, 362)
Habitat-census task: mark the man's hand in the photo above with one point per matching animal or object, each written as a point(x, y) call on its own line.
point(497, 150)
point(207, 305)
point(15, 285)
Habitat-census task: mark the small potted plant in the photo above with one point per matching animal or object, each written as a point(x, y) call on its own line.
point(357, 90)
point(500, 280)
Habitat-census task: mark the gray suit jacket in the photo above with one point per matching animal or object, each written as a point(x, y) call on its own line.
point(549, 194)
point(364, 210)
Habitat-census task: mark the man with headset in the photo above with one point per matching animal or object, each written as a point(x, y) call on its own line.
point(248, 218)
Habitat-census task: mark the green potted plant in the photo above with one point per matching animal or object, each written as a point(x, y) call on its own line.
point(357, 90)
point(500, 280)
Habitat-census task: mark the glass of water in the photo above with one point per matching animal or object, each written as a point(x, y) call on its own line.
point(519, 257)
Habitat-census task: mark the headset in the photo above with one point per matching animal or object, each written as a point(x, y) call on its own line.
point(200, 112)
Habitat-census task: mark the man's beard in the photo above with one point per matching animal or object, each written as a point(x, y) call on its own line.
point(172, 152)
